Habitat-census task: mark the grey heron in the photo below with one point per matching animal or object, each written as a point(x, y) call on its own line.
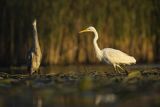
point(34, 55)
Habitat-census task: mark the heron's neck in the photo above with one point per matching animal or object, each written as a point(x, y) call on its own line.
point(97, 49)
point(35, 38)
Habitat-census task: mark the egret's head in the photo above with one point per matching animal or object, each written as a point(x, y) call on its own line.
point(89, 29)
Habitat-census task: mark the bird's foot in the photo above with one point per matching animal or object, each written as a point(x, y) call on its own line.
point(126, 72)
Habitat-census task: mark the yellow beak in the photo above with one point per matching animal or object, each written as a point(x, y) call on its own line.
point(86, 30)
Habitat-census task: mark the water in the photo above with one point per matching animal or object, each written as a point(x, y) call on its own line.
point(81, 86)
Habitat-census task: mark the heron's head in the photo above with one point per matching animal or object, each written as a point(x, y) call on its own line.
point(89, 29)
point(34, 22)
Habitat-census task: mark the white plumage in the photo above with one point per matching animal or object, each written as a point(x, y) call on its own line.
point(109, 55)
point(117, 56)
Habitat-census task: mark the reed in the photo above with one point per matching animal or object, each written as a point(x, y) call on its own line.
point(129, 25)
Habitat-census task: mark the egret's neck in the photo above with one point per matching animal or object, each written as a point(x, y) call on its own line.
point(97, 49)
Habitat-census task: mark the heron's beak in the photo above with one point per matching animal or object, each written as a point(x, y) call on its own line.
point(86, 30)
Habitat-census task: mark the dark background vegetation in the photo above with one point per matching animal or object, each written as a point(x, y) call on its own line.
point(132, 26)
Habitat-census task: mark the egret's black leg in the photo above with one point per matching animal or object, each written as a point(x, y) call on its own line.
point(123, 69)
point(116, 69)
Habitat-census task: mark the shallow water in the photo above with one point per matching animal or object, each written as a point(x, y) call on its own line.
point(77, 86)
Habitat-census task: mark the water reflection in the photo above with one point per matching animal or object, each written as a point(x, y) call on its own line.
point(77, 86)
point(107, 98)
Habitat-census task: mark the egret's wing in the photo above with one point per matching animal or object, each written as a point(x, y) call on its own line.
point(117, 56)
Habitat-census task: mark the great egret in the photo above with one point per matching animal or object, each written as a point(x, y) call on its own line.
point(35, 55)
point(109, 55)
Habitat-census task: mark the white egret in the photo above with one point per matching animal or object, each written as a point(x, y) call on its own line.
point(109, 55)
point(34, 55)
